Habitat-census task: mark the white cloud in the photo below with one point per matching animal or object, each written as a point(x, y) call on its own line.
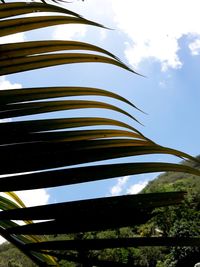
point(119, 186)
point(155, 28)
point(6, 84)
point(195, 47)
point(136, 188)
point(103, 34)
point(30, 198)
point(69, 32)
point(12, 38)
point(34, 197)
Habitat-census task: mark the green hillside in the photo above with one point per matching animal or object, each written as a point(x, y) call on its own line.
point(171, 181)
point(179, 221)
point(12, 257)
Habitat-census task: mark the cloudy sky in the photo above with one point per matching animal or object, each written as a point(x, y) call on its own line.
point(158, 38)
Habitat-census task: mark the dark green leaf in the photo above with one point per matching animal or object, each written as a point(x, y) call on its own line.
point(139, 202)
point(11, 26)
point(32, 108)
point(20, 8)
point(92, 213)
point(46, 155)
point(86, 174)
point(32, 94)
point(42, 61)
point(23, 49)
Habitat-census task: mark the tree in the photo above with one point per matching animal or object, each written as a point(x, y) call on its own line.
point(179, 222)
point(37, 150)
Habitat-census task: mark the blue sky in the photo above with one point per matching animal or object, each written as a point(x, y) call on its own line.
point(161, 41)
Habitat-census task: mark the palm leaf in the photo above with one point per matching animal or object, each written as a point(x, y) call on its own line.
point(46, 155)
point(12, 26)
point(20, 8)
point(92, 212)
point(40, 259)
point(16, 198)
point(32, 94)
point(61, 123)
point(7, 204)
point(86, 174)
point(25, 109)
point(55, 211)
point(42, 151)
point(37, 47)
point(43, 61)
point(70, 136)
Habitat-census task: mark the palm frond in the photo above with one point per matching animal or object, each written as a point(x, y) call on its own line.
point(92, 212)
point(11, 26)
point(21, 8)
point(42, 153)
point(69, 176)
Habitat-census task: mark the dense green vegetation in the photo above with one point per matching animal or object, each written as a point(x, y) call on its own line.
point(12, 257)
point(179, 221)
point(171, 181)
